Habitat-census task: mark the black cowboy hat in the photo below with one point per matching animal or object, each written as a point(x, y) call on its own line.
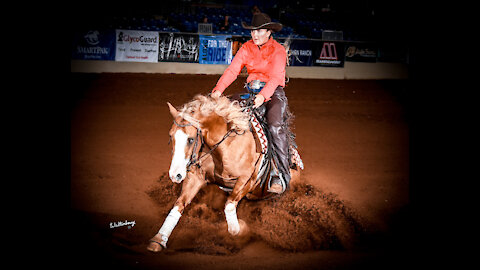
point(262, 20)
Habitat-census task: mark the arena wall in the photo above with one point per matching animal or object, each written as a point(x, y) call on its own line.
point(351, 70)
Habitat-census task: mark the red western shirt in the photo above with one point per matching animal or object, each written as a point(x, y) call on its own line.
point(266, 64)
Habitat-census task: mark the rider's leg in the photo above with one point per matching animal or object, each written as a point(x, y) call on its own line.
point(276, 118)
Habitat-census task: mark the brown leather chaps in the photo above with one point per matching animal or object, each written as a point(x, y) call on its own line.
point(276, 116)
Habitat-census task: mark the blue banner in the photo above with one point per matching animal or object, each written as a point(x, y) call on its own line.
point(215, 50)
point(94, 45)
point(299, 52)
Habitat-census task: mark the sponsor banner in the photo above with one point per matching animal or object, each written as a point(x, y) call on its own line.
point(328, 54)
point(300, 52)
point(215, 50)
point(174, 47)
point(136, 46)
point(94, 45)
point(360, 52)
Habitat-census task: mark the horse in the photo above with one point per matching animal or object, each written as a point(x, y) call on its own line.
point(213, 142)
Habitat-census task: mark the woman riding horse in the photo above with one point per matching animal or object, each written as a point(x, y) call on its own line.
point(265, 60)
point(211, 137)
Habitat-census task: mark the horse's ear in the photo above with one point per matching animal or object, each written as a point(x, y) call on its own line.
point(173, 111)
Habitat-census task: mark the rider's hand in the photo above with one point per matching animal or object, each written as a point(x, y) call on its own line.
point(216, 94)
point(259, 99)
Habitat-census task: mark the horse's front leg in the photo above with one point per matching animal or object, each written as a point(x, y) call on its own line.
point(242, 187)
point(191, 185)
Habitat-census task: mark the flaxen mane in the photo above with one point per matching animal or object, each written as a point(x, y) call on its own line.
point(203, 105)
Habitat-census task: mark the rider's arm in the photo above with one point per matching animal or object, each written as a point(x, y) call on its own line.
point(276, 72)
point(231, 73)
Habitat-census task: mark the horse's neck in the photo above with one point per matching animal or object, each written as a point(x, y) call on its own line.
point(217, 138)
point(215, 129)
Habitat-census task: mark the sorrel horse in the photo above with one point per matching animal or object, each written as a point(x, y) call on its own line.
point(212, 144)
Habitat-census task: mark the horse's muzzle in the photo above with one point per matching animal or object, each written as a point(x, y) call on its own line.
point(178, 178)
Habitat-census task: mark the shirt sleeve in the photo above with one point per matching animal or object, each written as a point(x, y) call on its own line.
point(276, 74)
point(231, 73)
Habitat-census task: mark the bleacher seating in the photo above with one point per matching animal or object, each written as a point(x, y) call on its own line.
point(297, 24)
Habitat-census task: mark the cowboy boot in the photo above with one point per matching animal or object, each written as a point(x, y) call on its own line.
point(278, 184)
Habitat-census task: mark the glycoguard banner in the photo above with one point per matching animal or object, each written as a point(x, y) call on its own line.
point(136, 46)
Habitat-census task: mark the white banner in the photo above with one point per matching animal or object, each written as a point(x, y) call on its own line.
point(136, 46)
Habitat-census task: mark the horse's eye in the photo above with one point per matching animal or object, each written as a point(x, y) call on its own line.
point(190, 140)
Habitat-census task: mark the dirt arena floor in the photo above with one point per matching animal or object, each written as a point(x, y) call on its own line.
point(349, 209)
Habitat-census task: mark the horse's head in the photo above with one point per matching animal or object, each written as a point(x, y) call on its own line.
point(186, 143)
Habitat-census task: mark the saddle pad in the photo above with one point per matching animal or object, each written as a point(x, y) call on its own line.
point(257, 127)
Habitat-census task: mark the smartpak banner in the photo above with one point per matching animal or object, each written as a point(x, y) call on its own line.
point(94, 45)
point(215, 50)
point(136, 46)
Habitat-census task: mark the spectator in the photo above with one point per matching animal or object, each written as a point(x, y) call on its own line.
point(255, 10)
point(225, 25)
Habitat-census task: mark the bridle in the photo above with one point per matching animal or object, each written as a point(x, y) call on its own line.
point(193, 161)
point(198, 138)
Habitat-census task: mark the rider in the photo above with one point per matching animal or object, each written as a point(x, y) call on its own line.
point(265, 60)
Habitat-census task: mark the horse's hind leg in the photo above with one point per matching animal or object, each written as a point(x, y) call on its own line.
point(191, 185)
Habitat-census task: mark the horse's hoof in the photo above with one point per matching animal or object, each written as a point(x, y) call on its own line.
point(154, 245)
point(234, 230)
point(239, 231)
